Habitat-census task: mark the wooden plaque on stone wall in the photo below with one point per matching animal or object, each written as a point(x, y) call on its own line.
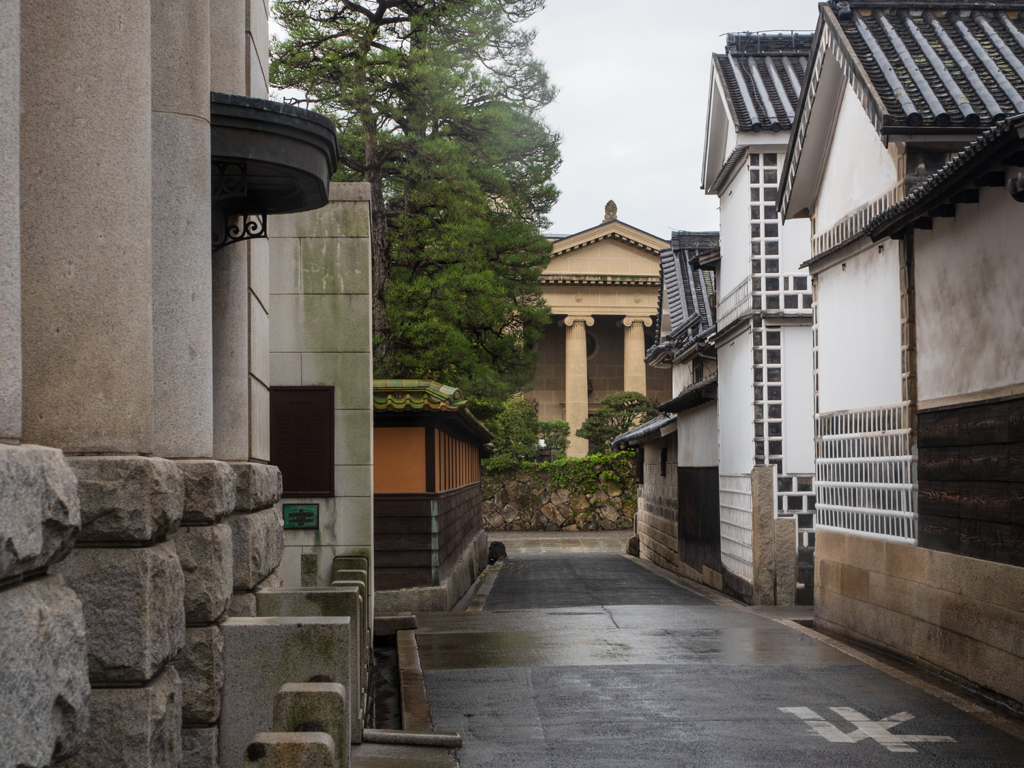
point(302, 439)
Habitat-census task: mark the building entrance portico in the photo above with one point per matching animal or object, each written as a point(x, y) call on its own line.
point(602, 286)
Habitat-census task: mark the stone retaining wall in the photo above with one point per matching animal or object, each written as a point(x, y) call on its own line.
point(537, 502)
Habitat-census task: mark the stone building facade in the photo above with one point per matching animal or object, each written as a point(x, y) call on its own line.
point(602, 285)
point(136, 498)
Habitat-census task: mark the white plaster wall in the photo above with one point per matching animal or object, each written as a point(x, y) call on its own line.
point(697, 432)
point(797, 400)
point(735, 232)
point(794, 245)
point(735, 405)
point(858, 168)
point(969, 278)
point(859, 330)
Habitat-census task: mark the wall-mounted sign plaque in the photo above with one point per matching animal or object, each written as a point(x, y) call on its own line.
point(303, 517)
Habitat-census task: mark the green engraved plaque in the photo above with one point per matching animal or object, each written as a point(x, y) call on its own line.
point(305, 517)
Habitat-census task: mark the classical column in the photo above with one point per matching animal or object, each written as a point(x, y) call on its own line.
point(634, 369)
point(182, 299)
point(10, 224)
point(231, 408)
point(576, 395)
point(86, 267)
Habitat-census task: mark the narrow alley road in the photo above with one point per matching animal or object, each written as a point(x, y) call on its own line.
point(586, 658)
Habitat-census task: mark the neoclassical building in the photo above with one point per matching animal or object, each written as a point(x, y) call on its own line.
point(602, 286)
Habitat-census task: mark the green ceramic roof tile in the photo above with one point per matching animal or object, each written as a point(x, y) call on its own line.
point(415, 395)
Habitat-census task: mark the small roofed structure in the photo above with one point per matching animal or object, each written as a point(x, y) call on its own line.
point(429, 540)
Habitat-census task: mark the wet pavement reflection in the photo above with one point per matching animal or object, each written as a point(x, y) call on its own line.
point(585, 658)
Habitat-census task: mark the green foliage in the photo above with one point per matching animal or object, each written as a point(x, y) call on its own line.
point(580, 475)
point(555, 434)
point(437, 104)
point(515, 435)
point(618, 413)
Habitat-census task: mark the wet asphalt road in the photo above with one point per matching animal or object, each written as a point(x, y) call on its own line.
point(580, 660)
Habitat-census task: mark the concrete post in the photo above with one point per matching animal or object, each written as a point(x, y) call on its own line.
point(182, 299)
point(576, 395)
point(86, 225)
point(10, 223)
point(634, 369)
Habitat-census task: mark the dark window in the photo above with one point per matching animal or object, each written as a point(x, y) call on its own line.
point(758, 393)
point(755, 230)
point(755, 159)
point(774, 447)
point(799, 283)
point(774, 411)
point(755, 212)
point(771, 248)
point(771, 230)
point(773, 302)
point(759, 430)
point(770, 158)
point(774, 429)
point(771, 176)
point(792, 302)
point(755, 265)
point(774, 338)
point(759, 374)
point(758, 357)
point(774, 374)
point(755, 177)
point(770, 212)
point(639, 465)
point(755, 194)
point(785, 484)
point(664, 461)
point(302, 439)
point(775, 356)
point(771, 284)
point(770, 193)
point(808, 301)
point(771, 265)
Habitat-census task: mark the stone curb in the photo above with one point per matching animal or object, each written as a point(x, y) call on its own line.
point(415, 710)
point(382, 736)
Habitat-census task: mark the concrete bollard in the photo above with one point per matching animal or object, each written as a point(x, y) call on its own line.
point(261, 655)
point(290, 750)
point(328, 601)
point(315, 707)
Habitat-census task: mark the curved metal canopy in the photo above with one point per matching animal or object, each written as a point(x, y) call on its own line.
point(268, 157)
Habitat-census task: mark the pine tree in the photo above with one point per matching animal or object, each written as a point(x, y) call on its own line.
point(437, 104)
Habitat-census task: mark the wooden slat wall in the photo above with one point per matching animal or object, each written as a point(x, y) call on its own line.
point(700, 534)
point(402, 538)
point(971, 479)
point(460, 517)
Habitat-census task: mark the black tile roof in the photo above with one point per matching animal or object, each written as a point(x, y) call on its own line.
point(954, 64)
point(688, 291)
point(763, 74)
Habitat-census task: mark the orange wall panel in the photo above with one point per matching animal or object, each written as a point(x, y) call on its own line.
point(399, 460)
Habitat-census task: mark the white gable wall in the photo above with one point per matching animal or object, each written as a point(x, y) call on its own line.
point(735, 235)
point(797, 401)
point(859, 329)
point(735, 396)
point(698, 437)
point(969, 279)
point(859, 167)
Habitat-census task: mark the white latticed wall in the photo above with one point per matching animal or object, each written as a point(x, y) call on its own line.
point(736, 501)
point(865, 474)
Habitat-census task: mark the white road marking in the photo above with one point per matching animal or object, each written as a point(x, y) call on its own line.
point(866, 728)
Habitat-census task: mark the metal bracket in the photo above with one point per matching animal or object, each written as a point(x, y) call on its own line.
point(237, 228)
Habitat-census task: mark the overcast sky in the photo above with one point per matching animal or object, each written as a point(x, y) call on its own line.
point(633, 88)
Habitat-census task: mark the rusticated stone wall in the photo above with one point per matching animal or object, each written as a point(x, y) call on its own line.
point(539, 502)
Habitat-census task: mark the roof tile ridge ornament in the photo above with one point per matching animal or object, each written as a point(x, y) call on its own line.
point(611, 212)
point(571, 320)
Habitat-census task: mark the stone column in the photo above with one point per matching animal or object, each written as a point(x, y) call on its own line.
point(182, 299)
point(10, 224)
point(634, 369)
point(576, 396)
point(86, 225)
